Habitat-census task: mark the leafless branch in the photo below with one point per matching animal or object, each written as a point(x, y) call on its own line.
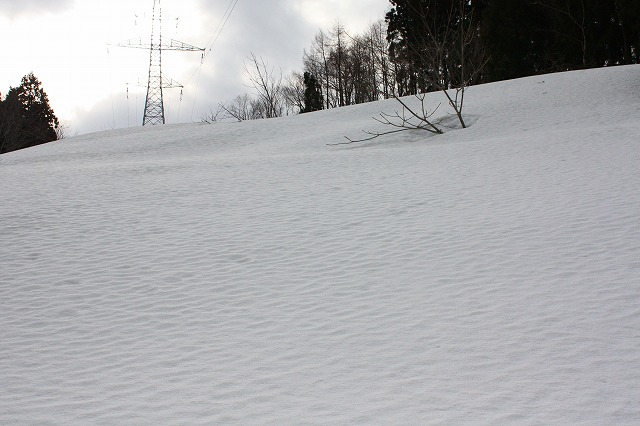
point(373, 136)
point(402, 121)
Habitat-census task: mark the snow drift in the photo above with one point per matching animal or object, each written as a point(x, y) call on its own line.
point(249, 273)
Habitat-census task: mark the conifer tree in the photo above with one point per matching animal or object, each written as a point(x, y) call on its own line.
point(629, 16)
point(312, 94)
point(26, 118)
point(425, 39)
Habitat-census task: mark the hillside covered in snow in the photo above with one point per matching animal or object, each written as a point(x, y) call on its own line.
point(249, 273)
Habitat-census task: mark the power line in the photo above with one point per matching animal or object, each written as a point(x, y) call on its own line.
point(212, 41)
point(216, 34)
point(223, 21)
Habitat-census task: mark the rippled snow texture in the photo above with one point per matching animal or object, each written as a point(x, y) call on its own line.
point(249, 273)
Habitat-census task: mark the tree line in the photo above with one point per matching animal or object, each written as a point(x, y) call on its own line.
point(420, 46)
point(26, 118)
point(540, 36)
point(427, 45)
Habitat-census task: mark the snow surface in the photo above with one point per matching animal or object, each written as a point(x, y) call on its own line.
point(242, 273)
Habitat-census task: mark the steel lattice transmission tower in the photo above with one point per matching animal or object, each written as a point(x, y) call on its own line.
point(154, 104)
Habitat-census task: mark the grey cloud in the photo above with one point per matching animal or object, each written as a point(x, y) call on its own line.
point(12, 8)
point(271, 30)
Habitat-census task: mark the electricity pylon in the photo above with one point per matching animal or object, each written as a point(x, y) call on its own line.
point(154, 104)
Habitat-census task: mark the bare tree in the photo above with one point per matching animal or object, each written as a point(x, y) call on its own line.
point(242, 108)
point(338, 59)
point(293, 93)
point(267, 85)
point(445, 52)
point(383, 68)
point(363, 84)
point(370, 68)
point(316, 62)
point(212, 116)
point(449, 57)
point(351, 69)
point(329, 60)
point(62, 131)
point(450, 53)
point(467, 59)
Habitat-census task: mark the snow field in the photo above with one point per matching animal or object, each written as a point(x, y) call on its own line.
point(247, 273)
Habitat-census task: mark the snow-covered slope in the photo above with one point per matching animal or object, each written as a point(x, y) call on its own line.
point(248, 273)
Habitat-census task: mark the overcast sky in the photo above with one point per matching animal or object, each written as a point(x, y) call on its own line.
point(64, 42)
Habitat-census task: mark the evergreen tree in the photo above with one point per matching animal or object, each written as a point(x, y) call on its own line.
point(538, 36)
point(405, 27)
point(26, 118)
point(313, 99)
point(628, 12)
point(2, 120)
point(424, 41)
point(508, 31)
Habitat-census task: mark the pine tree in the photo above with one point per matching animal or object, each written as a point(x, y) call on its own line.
point(629, 16)
point(26, 118)
point(404, 25)
point(424, 41)
point(313, 100)
point(509, 33)
point(539, 36)
point(2, 121)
